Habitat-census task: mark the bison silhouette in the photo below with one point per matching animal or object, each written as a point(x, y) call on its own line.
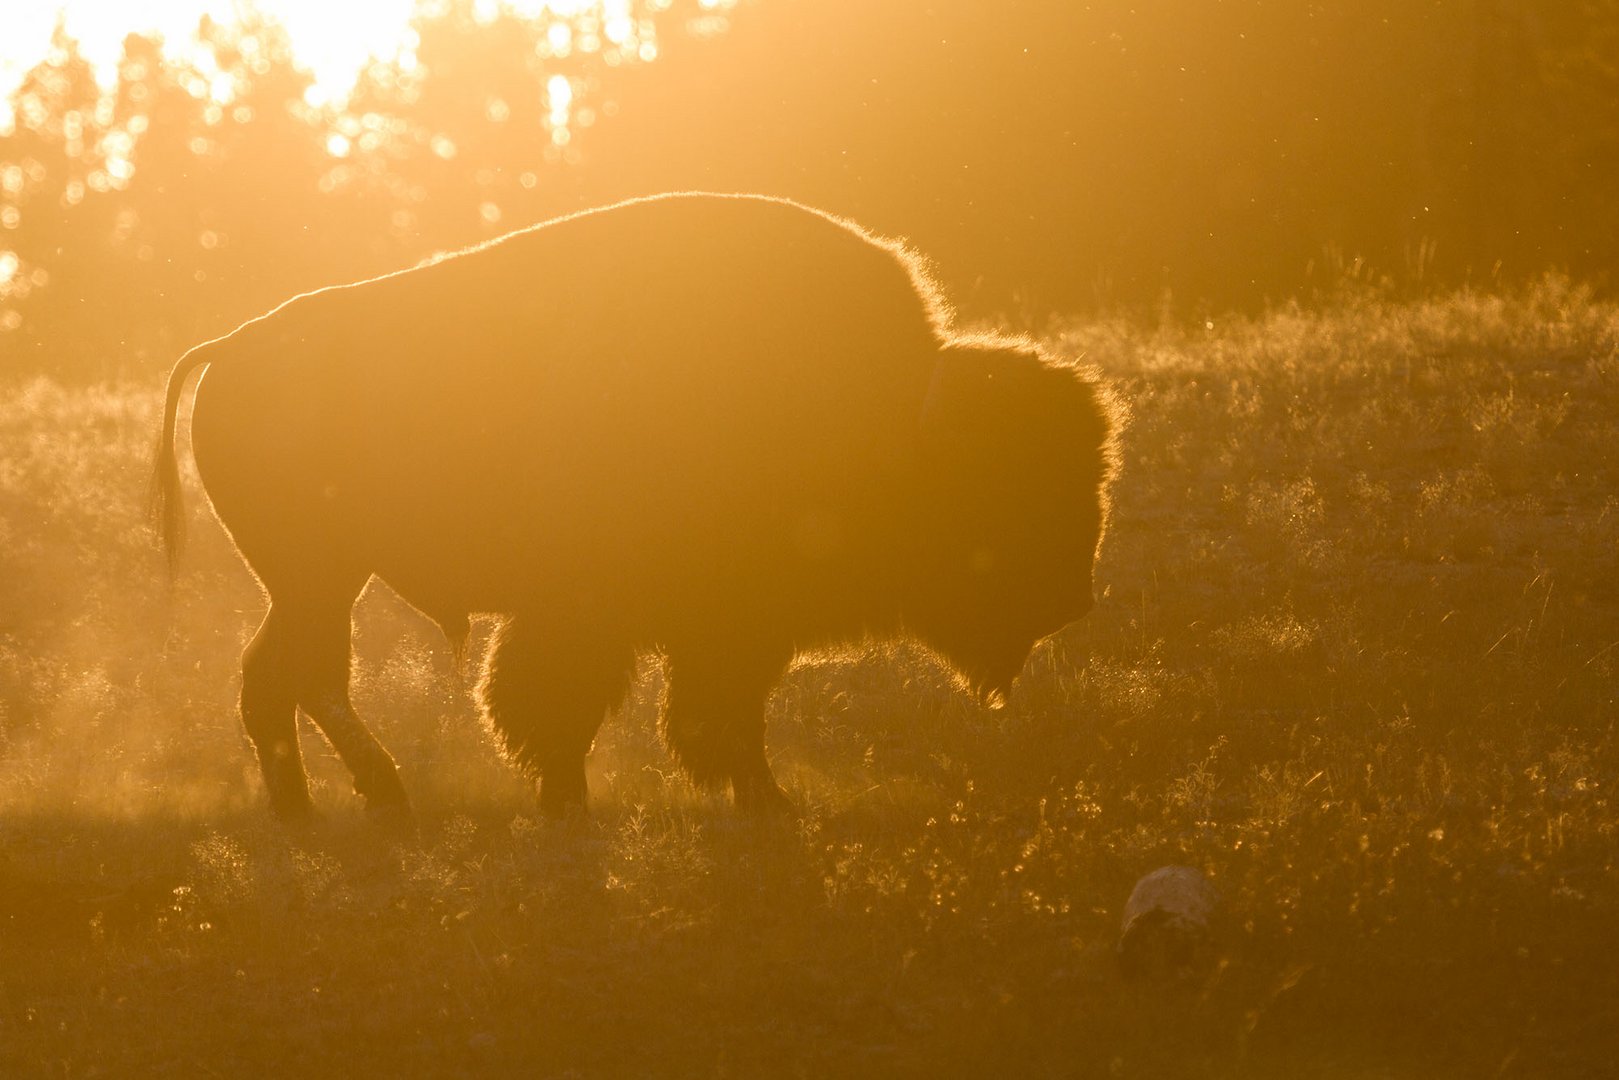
point(719, 429)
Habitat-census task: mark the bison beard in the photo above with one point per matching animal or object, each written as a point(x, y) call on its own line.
point(719, 429)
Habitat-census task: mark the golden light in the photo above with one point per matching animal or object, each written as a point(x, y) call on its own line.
point(559, 98)
point(332, 41)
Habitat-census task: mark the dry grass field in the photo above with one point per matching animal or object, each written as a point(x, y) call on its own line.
point(1354, 657)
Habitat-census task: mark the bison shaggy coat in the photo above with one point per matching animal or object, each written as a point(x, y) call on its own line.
point(718, 429)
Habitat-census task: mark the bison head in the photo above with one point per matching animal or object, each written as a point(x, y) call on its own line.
point(1013, 464)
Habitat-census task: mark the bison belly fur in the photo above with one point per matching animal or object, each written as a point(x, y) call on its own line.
point(717, 428)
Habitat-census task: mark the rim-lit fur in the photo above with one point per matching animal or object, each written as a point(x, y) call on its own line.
point(718, 428)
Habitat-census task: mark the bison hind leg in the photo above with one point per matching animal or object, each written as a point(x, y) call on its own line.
point(324, 667)
point(300, 658)
point(269, 707)
point(543, 697)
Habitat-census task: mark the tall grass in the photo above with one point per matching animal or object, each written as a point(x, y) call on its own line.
point(1354, 657)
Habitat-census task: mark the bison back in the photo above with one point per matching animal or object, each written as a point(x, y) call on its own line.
point(666, 390)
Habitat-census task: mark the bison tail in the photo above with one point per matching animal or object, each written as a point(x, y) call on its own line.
point(164, 506)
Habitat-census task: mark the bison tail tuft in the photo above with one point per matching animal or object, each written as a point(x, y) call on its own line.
point(164, 506)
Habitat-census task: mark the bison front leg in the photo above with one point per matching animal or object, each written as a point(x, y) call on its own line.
point(713, 723)
point(543, 696)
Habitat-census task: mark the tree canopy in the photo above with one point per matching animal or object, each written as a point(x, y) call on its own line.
point(1050, 156)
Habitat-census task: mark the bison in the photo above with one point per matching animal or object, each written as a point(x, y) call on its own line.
point(719, 429)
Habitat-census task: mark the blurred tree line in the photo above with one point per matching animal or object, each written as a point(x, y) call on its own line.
point(1052, 156)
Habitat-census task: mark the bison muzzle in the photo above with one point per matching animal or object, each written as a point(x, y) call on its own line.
point(717, 429)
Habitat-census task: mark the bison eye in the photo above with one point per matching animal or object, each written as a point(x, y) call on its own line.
point(982, 561)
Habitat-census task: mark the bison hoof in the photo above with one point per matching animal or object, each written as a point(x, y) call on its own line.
point(296, 811)
point(558, 810)
point(563, 796)
point(381, 788)
point(764, 800)
point(391, 815)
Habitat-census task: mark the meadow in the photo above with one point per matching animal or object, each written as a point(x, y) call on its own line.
point(1353, 656)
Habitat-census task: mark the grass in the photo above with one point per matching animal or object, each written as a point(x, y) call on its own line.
point(1355, 658)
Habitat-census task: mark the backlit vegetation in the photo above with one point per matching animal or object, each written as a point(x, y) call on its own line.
point(1355, 658)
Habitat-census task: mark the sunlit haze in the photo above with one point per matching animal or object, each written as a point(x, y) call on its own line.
point(834, 538)
point(331, 40)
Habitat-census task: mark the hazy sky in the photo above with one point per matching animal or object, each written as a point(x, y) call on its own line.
point(331, 39)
